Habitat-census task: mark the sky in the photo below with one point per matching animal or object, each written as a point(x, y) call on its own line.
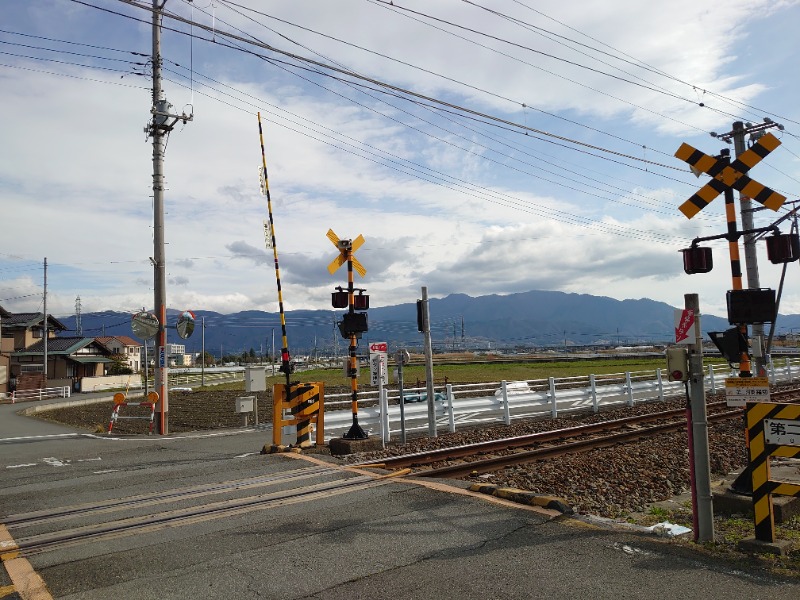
point(480, 147)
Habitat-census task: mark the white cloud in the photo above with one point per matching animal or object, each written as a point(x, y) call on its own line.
point(455, 204)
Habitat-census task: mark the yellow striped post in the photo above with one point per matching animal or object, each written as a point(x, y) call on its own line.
point(760, 451)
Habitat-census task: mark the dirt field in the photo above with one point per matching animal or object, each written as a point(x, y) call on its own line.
point(188, 411)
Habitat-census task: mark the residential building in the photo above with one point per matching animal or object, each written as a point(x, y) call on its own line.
point(127, 347)
point(175, 353)
point(19, 331)
point(6, 348)
point(69, 359)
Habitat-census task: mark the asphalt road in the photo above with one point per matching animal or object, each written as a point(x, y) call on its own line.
point(207, 516)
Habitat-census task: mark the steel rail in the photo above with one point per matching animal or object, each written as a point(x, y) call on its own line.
point(137, 525)
point(441, 454)
point(498, 462)
point(115, 504)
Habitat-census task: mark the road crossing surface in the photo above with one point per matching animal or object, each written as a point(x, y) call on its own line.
point(84, 516)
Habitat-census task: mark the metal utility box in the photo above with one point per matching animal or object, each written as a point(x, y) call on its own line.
point(255, 379)
point(677, 364)
point(245, 404)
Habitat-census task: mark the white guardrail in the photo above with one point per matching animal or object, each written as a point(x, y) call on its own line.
point(472, 404)
point(38, 394)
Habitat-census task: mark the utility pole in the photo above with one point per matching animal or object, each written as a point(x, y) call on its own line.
point(702, 499)
point(426, 319)
point(159, 128)
point(44, 324)
point(737, 135)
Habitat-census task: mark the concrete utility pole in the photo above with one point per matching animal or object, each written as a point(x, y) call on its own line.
point(44, 324)
point(159, 128)
point(737, 134)
point(702, 498)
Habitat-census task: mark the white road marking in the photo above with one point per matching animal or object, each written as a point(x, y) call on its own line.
point(55, 462)
point(20, 466)
point(39, 437)
point(105, 471)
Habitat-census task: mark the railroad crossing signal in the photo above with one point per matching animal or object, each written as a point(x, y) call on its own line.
point(730, 176)
point(346, 250)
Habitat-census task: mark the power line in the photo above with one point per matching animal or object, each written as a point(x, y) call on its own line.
point(644, 65)
point(382, 84)
point(453, 80)
point(394, 6)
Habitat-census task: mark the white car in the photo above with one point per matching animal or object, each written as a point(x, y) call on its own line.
point(514, 387)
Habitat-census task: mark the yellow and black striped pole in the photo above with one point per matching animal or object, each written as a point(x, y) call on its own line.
point(759, 454)
point(736, 269)
point(285, 358)
point(355, 432)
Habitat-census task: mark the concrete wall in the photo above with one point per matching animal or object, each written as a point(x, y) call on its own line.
point(98, 384)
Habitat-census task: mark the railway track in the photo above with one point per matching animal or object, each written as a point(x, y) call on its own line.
point(512, 451)
point(50, 533)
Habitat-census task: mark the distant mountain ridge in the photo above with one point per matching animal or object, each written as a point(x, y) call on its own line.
point(526, 319)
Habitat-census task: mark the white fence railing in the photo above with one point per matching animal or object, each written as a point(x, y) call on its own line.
point(40, 394)
point(472, 404)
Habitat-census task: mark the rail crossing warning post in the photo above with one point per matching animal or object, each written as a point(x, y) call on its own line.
point(727, 176)
point(353, 324)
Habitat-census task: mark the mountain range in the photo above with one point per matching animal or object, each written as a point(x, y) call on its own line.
point(458, 322)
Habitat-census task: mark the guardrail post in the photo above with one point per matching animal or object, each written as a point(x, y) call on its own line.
point(506, 409)
point(384, 398)
point(629, 386)
point(554, 408)
point(451, 413)
point(593, 392)
point(712, 381)
point(660, 383)
point(771, 371)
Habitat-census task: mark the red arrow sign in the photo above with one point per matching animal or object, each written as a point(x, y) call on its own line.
point(684, 325)
point(379, 347)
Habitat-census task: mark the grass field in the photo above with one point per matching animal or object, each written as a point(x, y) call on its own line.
point(490, 372)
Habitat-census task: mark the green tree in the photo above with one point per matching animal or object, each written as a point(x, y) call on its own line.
point(119, 365)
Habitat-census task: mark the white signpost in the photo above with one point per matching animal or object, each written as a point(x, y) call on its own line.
point(379, 375)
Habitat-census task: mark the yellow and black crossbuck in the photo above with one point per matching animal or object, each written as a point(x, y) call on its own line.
point(731, 175)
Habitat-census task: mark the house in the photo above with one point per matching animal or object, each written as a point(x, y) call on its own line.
point(6, 348)
point(19, 331)
point(69, 359)
point(122, 345)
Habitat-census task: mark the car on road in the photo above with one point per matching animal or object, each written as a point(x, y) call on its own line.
point(423, 397)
